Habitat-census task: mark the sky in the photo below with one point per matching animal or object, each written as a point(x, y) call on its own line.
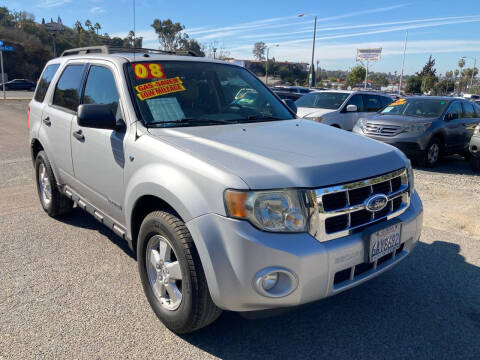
point(446, 29)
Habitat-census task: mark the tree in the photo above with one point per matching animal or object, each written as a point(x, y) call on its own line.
point(357, 75)
point(43, 21)
point(170, 34)
point(97, 27)
point(259, 49)
point(428, 75)
point(59, 20)
point(443, 87)
point(220, 51)
point(449, 74)
point(192, 45)
point(461, 63)
point(78, 27)
point(88, 25)
point(414, 85)
point(378, 79)
point(428, 68)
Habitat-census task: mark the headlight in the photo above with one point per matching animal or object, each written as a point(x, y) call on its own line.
point(275, 210)
point(477, 130)
point(361, 123)
point(315, 118)
point(417, 127)
point(411, 184)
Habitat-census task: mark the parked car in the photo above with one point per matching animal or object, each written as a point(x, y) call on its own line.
point(228, 199)
point(287, 95)
point(19, 84)
point(292, 89)
point(340, 108)
point(424, 127)
point(474, 148)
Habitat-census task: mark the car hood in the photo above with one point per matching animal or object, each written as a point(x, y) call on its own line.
point(303, 112)
point(283, 154)
point(399, 120)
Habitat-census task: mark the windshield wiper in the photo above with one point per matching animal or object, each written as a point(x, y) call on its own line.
point(254, 118)
point(189, 121)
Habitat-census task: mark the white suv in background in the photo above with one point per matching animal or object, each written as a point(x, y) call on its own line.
point(340, 109)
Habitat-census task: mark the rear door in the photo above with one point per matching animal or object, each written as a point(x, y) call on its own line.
point(454, 129)
point(470, 121)
point(57, 120)
point(98, 154)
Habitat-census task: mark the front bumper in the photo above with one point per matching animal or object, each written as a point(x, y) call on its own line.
point(412, 146)
point(233, 252)
point(474, 146)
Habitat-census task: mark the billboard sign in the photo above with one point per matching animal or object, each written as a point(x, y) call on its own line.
point(369, 54)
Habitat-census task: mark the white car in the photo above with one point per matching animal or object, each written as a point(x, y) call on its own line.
point(340, 109)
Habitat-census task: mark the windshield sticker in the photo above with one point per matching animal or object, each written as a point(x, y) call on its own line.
point(166, 109)
point(148, 71)
point(159, 87)
point(387, 109)
point(398, 102)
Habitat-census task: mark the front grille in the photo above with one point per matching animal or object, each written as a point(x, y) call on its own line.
point(381, 129)
point(342, 208)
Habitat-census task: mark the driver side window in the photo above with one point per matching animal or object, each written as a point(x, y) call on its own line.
point(456, 110)
point(356, 100)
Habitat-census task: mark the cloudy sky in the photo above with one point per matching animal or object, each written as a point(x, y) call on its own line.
point(445, 29)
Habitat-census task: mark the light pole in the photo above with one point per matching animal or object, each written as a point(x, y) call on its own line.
point(312, 69)
point(266, 64)
point(214, 53)
point(474, 67)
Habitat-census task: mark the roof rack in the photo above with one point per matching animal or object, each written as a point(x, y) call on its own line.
point(106, 49)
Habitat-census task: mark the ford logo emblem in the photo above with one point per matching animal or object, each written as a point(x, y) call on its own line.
point(376, 202)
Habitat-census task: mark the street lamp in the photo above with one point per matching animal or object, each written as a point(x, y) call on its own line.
point(474, 67)
point(214, 53)
point(312, 70)
point(266, 64)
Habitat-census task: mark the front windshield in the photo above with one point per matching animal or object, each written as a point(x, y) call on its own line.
point(322, 100)
point(417, 107)
point(181, 93)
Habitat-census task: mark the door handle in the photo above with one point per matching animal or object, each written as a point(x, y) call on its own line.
point(79, 135)
point(47, 121)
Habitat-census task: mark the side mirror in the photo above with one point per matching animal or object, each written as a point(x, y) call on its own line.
point(351, 108)
point(96, 116)
point(291, 104)
point(451, 116)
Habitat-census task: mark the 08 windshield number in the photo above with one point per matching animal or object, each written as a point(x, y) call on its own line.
point(148, 71)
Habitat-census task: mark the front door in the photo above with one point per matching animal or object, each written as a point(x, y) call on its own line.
point(454, 130)
point(98, 154)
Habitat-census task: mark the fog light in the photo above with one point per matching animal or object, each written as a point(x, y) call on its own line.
point(275, 282)
point(269, 281)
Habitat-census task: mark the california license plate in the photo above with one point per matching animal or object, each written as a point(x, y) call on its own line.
point(385, 241)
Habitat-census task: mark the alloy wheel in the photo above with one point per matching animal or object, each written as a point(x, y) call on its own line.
point(44, 185)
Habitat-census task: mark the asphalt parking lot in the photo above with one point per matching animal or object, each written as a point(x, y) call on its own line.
point(69, 288)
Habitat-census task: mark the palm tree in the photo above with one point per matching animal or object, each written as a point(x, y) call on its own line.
point(78, 27)
point(88, 25)
point(97, 27)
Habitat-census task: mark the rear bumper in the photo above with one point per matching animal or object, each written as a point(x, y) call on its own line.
point(233, 252)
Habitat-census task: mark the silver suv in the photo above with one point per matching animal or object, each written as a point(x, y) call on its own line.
point(229, 201)
point(340, 108)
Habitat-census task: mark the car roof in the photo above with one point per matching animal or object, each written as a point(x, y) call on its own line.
point(351, 92)
point(446, 98)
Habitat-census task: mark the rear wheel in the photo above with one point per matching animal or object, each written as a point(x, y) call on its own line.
point(432, 153)
point(475, 163)
point(172, 275)
point(53, 202)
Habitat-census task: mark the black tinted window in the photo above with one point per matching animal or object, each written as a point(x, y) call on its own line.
point(468, 110)
point(67, 92)
point(100, 88)
point(386, 100)
point(456, 108)
point(371, 103)
point(356, 100)
point(45, 81)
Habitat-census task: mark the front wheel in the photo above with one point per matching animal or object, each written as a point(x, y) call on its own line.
point(432, 153)
point(172, 275)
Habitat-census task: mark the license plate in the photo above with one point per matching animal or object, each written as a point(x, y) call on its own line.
point(384, 241)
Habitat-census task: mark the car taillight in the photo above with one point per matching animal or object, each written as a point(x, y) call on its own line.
point(28, 118)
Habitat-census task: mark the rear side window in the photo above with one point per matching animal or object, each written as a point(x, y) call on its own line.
point(386, 100)
point(456, 108)
point(468, 110)
point(45, 81)
point(371, 103)
point(100, 88)
point(67, 92)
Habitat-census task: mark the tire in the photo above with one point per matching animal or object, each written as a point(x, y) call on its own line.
point(53, 202)
point(475, 163)
point(432, 153)
point(172, 275)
